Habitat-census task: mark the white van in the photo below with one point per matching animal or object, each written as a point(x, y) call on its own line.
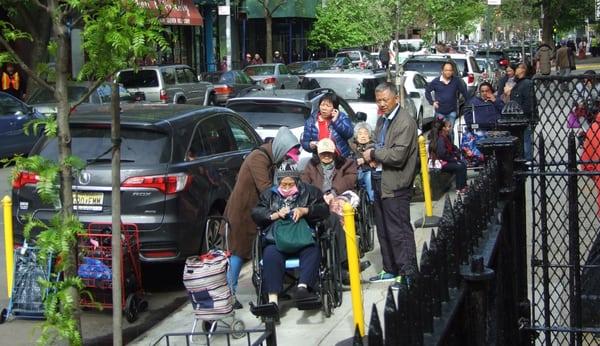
point(406, 48)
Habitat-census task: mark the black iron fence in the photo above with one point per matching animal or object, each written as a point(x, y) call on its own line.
point(565, 248)
point(466, 290)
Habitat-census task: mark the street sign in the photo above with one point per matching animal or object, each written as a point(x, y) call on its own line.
point(494, 2)
point(224, 10)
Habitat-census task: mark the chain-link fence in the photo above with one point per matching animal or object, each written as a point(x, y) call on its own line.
point(565, 201)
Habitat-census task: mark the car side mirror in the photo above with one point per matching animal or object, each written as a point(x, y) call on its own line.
point(414, 95)
point(361, 116)
point(19, 113)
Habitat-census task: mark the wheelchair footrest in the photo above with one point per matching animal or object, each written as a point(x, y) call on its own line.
point(309, 304)
point(264, 310)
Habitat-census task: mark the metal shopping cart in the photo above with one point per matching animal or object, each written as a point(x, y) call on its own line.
point(205, 278)
point(95, 268)
point(27, 298)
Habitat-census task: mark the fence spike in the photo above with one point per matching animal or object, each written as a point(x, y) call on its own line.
point(426, 290)
point(357, 340)
point(415, 306)
point(436, 289)
point(375, 337)
point(391, 322)
point(403, 317)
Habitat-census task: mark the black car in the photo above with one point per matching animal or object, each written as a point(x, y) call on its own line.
point(227, 84)
point(178, 166)
point(14, 114)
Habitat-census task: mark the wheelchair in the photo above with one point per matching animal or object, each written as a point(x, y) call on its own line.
point(365, 222)
point(329, 290)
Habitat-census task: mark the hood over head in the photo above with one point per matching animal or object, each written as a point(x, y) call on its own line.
point(282, 143)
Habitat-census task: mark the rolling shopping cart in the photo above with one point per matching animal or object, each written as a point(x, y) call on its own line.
point(27, 298)
point(95, 268)
point(205, 278)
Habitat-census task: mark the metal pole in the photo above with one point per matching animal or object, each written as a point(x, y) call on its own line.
point(228, 33)
point(574, 266)
point(488, 29)
point(117, 260)
point(353, 268)
point(8, 242)
point(399, 72)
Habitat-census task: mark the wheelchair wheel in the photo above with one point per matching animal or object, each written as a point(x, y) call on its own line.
point(365, 215)
point(256, 269)
point(330, 274)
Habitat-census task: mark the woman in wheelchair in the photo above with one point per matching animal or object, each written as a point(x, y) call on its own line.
point(290, 207)
point(442, 149)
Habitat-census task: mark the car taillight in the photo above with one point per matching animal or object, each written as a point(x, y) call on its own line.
point(470, 78)
point(223, 89)
point(163, 96)
point(270, 80)
point(169, 184)
point(25, 178)
point(362, 65)
point(503, 62)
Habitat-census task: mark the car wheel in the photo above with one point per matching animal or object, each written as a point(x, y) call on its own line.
point(282, 86)
point(213, 237)
point(180, 100)
point(212, 101)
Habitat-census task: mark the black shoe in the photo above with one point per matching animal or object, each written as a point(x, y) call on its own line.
point(345, 278)
point(303, 294)
point(237, 305)
point(364, 265)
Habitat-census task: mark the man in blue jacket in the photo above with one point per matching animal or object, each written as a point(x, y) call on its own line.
point(446, 89)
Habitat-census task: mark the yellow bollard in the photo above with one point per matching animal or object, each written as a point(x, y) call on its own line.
point(8, 242)
point(429, 220)
point(354, 268)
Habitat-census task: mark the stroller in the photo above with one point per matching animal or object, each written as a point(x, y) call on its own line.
point(205, 278)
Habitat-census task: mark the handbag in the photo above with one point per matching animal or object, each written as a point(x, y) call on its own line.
point(435, 164)
point(291, 237)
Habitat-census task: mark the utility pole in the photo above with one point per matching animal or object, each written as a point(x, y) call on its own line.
point(228, 33)
point(399, 71)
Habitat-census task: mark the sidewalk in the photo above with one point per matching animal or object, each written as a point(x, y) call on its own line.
point(300, 327)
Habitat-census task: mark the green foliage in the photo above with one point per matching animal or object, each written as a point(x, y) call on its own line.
point(126, 30)
point(47, 124)
point(47, 171)
point(454, 15)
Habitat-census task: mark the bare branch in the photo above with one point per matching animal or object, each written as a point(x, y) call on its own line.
point(42, 6)
point(85, 96)
point(281, 3)
point(30, 73)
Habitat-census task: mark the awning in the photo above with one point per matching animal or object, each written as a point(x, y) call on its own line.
point(175, 12)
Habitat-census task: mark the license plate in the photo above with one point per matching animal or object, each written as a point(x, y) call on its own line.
point(88, 201)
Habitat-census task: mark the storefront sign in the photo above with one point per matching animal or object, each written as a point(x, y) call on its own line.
point(174, 12)
point(224, 10)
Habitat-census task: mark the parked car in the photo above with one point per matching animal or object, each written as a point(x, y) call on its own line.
point(492, 71)
point(273, 76)
point(300, 68)
point(415, 84)
point(267, 111)
point(44, 102)
point(429, 66)
point(357, 87)
point(14, 114)
point(499, 55)
point(166, 84)
point(406, 48)
point(360, 58)
point(226, 84)
point(178, 166)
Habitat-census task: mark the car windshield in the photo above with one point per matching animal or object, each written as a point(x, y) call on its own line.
point(47, 96)
point(428, 68)
point(212, 77)
point(260, 70)
point(301, 67)
point(349, 88)
point(351, 55)
point(94, 143)
point(271, 114)
point(139, 79)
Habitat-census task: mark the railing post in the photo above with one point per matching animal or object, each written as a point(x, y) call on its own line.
point(426, 290)
point(544, 235)
point(415, 315)
point(390, 320)
point(375, 337)
point(477, 277)
point(403, 316)
point(574, 265)
point(436, 283)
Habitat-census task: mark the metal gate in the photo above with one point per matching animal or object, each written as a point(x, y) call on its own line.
point(563, 184)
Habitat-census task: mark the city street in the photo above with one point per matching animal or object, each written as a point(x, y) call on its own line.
point(164, 293)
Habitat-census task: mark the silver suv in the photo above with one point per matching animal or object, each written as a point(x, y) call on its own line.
point(166, 84)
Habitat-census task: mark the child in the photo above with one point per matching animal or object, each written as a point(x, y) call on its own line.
point(362, 141)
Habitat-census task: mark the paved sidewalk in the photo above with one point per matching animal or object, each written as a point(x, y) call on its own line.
point(299, 327)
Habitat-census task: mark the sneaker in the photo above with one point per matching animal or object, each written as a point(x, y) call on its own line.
point(237, 305)
point(397, 282)
point(383, 276)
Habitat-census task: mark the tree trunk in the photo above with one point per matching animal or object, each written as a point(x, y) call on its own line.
point(269, 52)
point(547, 26)
point(64, 144)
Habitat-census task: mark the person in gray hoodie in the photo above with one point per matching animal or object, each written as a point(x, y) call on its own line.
point(544, 57)
point(255, 176)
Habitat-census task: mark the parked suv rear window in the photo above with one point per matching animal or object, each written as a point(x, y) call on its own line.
point(139, 79)
point(272, 115)
point(139, 146)
point(349, 88)
point(428, 68)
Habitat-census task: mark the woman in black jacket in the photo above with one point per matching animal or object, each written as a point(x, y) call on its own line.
point(442, 149)
point(293, 199)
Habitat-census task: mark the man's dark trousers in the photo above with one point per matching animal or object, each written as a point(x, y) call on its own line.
point(394, 230)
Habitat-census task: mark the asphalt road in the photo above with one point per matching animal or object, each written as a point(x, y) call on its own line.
point(163, 292)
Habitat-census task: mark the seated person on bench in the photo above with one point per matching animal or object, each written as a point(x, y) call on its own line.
point(481, 114)
point(443, 150)
point(290, 198)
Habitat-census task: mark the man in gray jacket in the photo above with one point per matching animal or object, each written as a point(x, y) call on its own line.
point(395, 159)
